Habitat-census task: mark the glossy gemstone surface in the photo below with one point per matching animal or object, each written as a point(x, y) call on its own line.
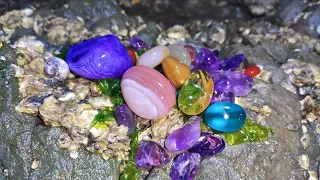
point(99, 58)
point(252, 71)
point(185, 137)
point(124, 117)
point(138, 44)
point(151, 154)
point(185, 166)
point(223, 91)
point(241, 83)
point(175, 71)
point(153, 57)
point(232, 63)
point(225, 116)
point(205, 60)
point(208, 145)
point(147, 92)
point(196, 93)
point(179, 52)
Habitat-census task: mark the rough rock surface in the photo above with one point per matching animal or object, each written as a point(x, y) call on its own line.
point(275, 159)
point(31, 142)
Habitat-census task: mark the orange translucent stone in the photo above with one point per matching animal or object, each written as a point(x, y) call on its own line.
point(175, 71)
point(132, 55)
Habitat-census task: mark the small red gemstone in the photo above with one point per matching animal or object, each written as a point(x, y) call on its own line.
point(252, 71)
point(191, 51)
point(132, 55)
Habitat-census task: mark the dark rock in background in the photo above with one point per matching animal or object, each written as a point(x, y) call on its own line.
point(288, 9)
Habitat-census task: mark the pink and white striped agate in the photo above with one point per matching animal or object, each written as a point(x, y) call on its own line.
point(147, 92)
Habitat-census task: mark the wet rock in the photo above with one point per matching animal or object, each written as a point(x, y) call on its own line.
point(14, 127)
point(276, 51)
point(257, 56)
point(275, 159)
point(30, 142)
point(289, 9)
point(259, 8)
point(56, 163)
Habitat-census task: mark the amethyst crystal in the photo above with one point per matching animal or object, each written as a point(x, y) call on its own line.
point(185, 137)
point(222, 97)
point(231, 64)
point(99, 58)
point(223, 91)
point(138, 44)
point(151, 154)
point(208, 145)
point(205, 60)
point(124, 117)
point(241, 83)
point(185, 166)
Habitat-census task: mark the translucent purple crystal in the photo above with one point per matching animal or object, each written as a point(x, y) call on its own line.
point(222, 97)
point(99, 58)
point(185, 166)
point(138, 44)
point(208, 145)
point(205, 60)
point(223, 91)
point(231, 64)
point(241, 83)
point(185, 137)
point(124, 117)
point(151, 154)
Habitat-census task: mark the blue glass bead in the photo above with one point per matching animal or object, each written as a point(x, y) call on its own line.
point(225, 116)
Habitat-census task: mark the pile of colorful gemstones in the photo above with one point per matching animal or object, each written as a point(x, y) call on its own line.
point(152, 82)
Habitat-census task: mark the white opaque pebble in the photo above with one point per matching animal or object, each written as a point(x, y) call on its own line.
point(179, 52)
point(153, 57)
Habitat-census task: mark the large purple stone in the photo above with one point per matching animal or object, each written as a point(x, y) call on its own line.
point(151, 154)
point(185, 166)
point(124, 117)
point(231, 64)
point(185, 137)
point(99, 58)
point(208, 145)
point(205, 60)
point(241, 83)
point(138, 44)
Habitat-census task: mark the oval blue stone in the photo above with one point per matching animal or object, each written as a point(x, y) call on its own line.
point(225, 116)
point(99, 58)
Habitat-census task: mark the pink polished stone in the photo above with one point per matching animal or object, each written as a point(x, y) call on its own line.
point(147, 92)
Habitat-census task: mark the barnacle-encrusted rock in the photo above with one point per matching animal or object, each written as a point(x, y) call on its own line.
point(310, 108)
point(162, 127)
point(11, 19)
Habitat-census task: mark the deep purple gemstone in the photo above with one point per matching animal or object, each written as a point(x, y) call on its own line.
point(151, 154)
point(216, 53)
point(124, 117)
point(241, 83)
point(205, 60)
point(138, 44)
point(223, 84)
point(222, 97)
point(99, 58)
point(231, 64)
point(185, 166)
point(185, 137)
point(208, 145)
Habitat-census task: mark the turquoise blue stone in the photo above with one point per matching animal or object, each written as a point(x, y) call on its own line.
point(225, 116)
